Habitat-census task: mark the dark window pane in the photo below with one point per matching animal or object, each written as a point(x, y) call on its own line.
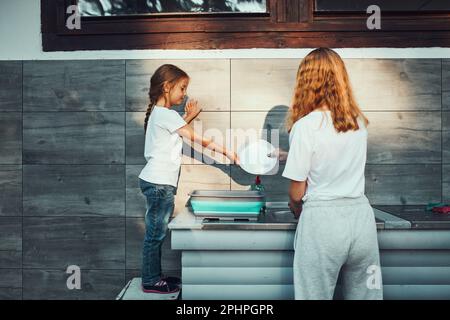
point(131, 7)
point(386, 5)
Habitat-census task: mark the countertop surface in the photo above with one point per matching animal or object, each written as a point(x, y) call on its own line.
point(418, 216)
point(277, 216)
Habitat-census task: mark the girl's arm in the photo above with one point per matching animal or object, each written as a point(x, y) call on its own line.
point(189, 133)
point(297, 190)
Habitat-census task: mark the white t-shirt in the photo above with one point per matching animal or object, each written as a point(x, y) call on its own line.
point(163, 147)
point(332, 163)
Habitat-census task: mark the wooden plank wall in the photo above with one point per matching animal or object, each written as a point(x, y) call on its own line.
point(72, 141)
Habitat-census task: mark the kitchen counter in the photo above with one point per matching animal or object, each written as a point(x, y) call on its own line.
point(418, 217)
point(277, 216)
point(253, 259)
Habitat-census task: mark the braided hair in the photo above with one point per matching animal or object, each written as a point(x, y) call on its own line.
point(165, 73)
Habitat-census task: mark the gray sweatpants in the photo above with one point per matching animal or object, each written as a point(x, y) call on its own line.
point(332, 235)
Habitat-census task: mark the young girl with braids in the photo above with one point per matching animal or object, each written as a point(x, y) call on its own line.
point(164, 130)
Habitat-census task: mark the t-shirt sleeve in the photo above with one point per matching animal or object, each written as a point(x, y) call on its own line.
point(298, 163)
point(172, 121)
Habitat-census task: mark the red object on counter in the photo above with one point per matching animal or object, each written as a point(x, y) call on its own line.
point(445, 209)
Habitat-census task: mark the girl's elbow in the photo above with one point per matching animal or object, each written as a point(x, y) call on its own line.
point(205, 142)
point(297, 191)
point(185, 133)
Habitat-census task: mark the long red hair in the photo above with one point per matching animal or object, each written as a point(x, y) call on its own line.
point(322, 80)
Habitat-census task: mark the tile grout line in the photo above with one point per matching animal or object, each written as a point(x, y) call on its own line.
point(225, 111)
point(71, 164)
point(125, 174)
point(442, 134)
point(230, 142)
point(85, 217)
point(62, 269)
point(198, 164)
point(22, 183)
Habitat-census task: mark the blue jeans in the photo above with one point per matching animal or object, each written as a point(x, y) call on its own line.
point(160, 205)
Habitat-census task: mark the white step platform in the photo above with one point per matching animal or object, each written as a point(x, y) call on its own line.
point(133, 291)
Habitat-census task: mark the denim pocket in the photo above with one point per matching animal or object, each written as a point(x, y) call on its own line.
point(146, 187)
point(156, 190)
point(167, 192)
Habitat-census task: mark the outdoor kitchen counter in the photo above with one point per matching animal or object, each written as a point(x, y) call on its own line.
point(277, 216)
point(253, 260)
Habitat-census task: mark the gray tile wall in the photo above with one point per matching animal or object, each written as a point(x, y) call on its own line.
point(10, 180)
point(72, 142)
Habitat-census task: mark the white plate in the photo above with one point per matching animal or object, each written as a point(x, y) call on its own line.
point(254, 159)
